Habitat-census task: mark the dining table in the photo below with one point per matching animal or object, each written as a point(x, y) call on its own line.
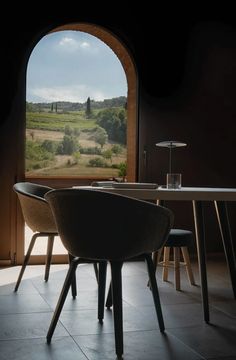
point(198, 196)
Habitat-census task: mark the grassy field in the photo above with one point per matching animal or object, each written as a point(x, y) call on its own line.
point(43, 126)
point(58, 121)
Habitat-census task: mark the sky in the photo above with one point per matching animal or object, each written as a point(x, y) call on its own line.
point(72, 66)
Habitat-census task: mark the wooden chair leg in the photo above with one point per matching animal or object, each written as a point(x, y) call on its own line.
point(188, 265)
point(49, 256)
point(117, 305)
point(156, 257)
point(166, 263)
point(159, 253)
point(26, 260)
point(177, 267)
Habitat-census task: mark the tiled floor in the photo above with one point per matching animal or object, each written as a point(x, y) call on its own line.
point(25, 317)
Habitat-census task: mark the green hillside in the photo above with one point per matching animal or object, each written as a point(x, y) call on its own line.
point(81, 143)
point(58, 121)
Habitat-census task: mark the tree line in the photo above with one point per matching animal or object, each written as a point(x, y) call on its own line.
point(64, 106)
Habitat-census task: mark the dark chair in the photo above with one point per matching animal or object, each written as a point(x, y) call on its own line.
point(38, 216)
point(178, 240)
point(105, 227)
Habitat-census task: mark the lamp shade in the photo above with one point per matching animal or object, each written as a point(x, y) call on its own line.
point(171, 144)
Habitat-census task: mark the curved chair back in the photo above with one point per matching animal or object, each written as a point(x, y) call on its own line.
point(100, 225)
point(36, 211)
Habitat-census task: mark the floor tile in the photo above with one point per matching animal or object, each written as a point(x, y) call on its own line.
point(175, 316)
point(168, 295)
point(211, 341)
point(54, 285)
point(22, 303)
point(27, 326)
point(86, 322)
point(26, 287)
point(148, 345)
point(37, 349)
point(84, 300)
point(228, 307)
point(223, 358)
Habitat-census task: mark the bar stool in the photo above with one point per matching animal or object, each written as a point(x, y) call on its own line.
point(178, 239)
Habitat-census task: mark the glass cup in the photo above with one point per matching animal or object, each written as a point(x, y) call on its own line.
point(173, 181)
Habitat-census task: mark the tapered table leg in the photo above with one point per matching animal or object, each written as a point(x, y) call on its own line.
point(223, 220)
point(201, 250)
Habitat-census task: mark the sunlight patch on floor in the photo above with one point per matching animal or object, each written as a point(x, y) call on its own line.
point(40, 247)
point(9, 275)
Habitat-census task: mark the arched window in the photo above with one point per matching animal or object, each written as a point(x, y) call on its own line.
point(86, 138)
point(129, 108)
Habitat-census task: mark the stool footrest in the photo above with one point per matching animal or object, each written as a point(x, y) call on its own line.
point(171, 264)
point(166, 263)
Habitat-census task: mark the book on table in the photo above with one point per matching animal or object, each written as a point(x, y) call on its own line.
point(124, 185)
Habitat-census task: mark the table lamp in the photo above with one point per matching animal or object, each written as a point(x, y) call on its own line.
point(171, 144)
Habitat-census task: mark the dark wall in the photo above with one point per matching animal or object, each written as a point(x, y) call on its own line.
point(186, 69)
point(198, 109)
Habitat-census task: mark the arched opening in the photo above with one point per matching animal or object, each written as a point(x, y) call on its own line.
point(125, 59)
point(129, 68)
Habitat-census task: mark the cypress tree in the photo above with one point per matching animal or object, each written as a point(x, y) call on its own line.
point(88, 108)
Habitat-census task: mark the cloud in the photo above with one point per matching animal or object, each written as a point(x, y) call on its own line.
point(76, 93)
point(71, 45)
point(68, 44)
point(85, 45)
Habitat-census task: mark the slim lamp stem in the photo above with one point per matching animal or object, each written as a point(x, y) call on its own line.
point(170, 160)
point(170, 144)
